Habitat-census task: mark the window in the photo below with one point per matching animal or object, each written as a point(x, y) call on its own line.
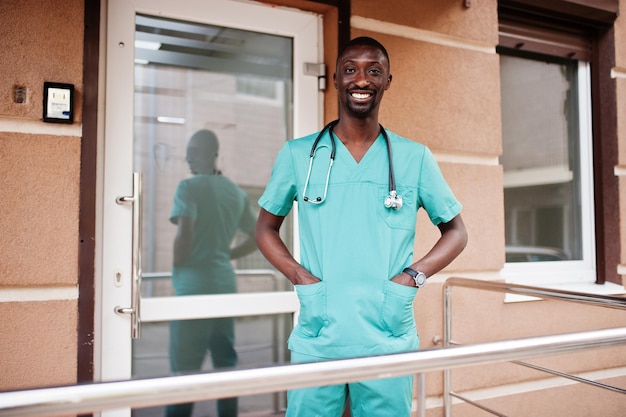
point(547, 161)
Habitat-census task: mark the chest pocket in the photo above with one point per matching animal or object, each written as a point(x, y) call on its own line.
point(402, 218)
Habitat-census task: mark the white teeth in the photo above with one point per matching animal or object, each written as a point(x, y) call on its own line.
point(360, 95)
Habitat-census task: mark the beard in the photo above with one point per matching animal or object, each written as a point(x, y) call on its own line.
point(362, 110)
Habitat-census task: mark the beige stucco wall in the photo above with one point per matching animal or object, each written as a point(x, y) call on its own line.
point(443, 16)
point(40, 42)
point(39, 206)
point(38, 344)
point(39, 168)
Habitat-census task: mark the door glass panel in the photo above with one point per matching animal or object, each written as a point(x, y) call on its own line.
point(237, 84)
point(234, 83)
point(260, 341)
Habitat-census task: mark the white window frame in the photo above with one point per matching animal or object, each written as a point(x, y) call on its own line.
point(576, 275)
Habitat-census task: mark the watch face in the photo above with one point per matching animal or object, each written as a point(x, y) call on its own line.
point(420, 279)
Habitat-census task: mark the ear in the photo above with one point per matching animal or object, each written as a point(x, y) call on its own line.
point(335, 79)
point(388, 82)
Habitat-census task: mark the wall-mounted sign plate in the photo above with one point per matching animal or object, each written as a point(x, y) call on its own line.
point(58, 102)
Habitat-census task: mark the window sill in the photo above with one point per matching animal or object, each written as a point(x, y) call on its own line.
point(608, 288)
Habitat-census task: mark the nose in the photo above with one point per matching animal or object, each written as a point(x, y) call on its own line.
point(360, 79)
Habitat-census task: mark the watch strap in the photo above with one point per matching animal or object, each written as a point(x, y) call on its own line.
point(410, 271)
point(418, 277)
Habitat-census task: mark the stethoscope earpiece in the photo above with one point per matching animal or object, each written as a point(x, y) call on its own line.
point(392, 201)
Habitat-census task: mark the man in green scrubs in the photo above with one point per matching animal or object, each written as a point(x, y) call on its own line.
point(357, 278)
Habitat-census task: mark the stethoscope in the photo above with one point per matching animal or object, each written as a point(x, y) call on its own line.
point(392, 201)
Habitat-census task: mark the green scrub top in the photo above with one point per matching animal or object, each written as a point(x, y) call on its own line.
point(219, 208)
point(354, 244)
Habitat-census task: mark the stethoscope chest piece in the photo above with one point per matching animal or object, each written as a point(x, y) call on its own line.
point(393, 200)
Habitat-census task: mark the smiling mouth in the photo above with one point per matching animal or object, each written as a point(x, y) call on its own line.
point(360, 96)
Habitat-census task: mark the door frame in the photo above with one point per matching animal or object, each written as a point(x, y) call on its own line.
point(117, 57)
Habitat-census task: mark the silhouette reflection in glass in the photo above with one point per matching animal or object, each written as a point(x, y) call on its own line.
point(208, 210)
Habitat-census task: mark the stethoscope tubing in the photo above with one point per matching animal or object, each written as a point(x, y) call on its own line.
point(329, 127)
point(318, 200)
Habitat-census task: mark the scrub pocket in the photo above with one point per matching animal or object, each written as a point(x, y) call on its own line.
point(313, 315)
point(403, 218)
point(397, 309)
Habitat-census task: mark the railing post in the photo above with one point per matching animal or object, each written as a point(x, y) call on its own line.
point(421, 395)
point(447, 337)
point(275, 342)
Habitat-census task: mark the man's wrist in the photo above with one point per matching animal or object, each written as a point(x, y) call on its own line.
point(419, 278)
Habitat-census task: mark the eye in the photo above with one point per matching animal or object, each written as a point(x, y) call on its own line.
point(375, 71)
point(349, 70)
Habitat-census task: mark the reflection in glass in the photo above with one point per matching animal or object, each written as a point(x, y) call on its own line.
point(541, 159)
point(208, 209)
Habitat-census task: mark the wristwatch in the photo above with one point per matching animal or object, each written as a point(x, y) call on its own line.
point(418, 276)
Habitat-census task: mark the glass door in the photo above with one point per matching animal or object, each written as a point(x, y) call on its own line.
point(229, 73)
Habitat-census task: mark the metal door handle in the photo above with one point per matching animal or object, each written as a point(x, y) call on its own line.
point(134, 309)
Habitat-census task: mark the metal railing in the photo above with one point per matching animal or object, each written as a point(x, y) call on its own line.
point(97, 397)
point(90, 398)
point(510, 288)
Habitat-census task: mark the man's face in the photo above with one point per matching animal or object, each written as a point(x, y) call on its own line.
point(361, 78)
point(201, 155)
point(194, 160)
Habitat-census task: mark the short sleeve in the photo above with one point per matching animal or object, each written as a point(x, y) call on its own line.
point(280, 192)
point(183, 206)
point(435, 195)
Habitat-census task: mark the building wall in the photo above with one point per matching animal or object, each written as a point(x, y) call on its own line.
point(39, 170)
point(445, 93)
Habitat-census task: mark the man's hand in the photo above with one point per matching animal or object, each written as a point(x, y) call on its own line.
point(304, 278)
point(404, 279)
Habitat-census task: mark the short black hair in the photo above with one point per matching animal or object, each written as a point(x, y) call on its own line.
point(365, 41)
